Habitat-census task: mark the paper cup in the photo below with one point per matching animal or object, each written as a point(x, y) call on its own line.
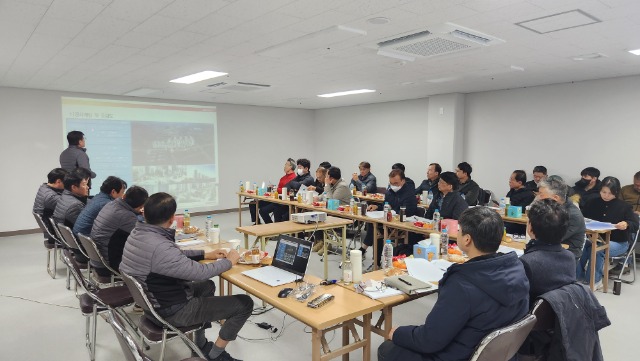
point(234, 244)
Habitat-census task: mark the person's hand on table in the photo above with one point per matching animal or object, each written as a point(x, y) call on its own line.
point(233, 256)
point(354, 176)
point(372, 207)
point(393, 329)
point(621, 225)
point(215, 254)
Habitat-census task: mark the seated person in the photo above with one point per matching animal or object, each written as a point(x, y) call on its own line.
point(113, 225)
point(607, 208)
point(556, 189)
point(318, 185)
point(72, 201)
point(588, 187)
point(631, 193)
point(487, 292)
point(407, 179)
point(336, 187)
point(399, 194)
point(266, 208)
point(520, 196)
point(469, 189)
point(449, 202)
point(177, 284)
point(364, 180)
point(112, 188)
point(47, 197)
point(325, 165)
point(303, 178)
point(548, 266)
point(431, 183)
point(539, 174)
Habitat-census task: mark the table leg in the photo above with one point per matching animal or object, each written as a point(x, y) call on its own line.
point(221, 286)
point(366, 335)
point(592, 262)
point(375, 246)
point(324, 254)
point(344, 244)
point(246, 241)
point(345, 341)
point(605, 282)
point(263, 244)
point(257, 211)
point(388, 320)
point(239, 210)
point(316, 335)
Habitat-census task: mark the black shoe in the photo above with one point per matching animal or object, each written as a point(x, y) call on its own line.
point(615, 271)
point(224, 356)
point(363, 250)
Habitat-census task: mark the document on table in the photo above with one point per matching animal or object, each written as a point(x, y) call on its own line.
point(387, 292)
point(192, 242)
point(599, 226)
point(505, 249)
point(423, 270)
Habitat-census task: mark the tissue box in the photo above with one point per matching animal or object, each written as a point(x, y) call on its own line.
point(420, 251)
point(514, 212)
point(262, 191)
point(333, 204)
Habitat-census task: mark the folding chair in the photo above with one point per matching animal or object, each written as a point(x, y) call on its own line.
point(503, 343)
point(55, 247)
point(67, 235)
point(66, 249)
point(536, 344)
point(94, 255)
point(160, 330)
point(131, 350)
point(629, 256)
point(98, 300)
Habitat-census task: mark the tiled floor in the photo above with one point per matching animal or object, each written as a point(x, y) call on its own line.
point(41, 320)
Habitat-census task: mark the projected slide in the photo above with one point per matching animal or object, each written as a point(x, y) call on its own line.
point(162, 147)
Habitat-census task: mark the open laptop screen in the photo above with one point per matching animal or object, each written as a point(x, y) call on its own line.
point(292, 254)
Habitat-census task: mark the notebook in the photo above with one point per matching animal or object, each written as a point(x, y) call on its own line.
point(290, 261)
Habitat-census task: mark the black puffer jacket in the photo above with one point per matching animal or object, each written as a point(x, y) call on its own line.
point(68, 208)
point(111, 229)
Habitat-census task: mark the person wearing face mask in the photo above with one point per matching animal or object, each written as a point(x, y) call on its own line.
point(539, 174)
point(631, 193)
point(608, 208)
point(407, 179)
point(399, 194)
point(588, 187)
point(302, 176)
point(449, 202)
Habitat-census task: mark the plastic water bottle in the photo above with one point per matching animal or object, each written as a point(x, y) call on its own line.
point(347, 273)
point(429, 198)
point(502, 206)
point(255, 187)
point(352, 204)
point(207, 228)
point(242, 187)
point(436, 218)
point(385, 208)
point(444, 243)
point(387, 255)
point(187, 219)
point(215, 234)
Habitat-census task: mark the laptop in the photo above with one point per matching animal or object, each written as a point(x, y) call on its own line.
point(290, 261)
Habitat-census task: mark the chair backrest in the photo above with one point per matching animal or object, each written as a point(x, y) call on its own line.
point(545, 317)
point(503, 343)
point(43, 226)
point(76, 272)
point(381, 190)
point(68, 236)
point(131, 350)
point(140, 297)
point(94, 254)
point(59, 237)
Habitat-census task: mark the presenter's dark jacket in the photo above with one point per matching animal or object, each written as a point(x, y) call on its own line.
point(475, 298)
point(75, 157)
point(404, 197)
point(548, 267)
point(452, 206)
point(470, 190)
point(614, 211)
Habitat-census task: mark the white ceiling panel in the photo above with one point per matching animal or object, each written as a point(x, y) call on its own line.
point(115, 46)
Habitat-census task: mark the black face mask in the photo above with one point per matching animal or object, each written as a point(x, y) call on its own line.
point(582, 183)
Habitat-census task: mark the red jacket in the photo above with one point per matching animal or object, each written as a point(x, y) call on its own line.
point(284, 180)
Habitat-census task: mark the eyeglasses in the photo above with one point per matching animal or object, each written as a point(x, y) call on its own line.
point(362, 286)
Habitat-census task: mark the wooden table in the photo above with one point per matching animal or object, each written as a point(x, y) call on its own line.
point(263, 231)
point(258, 198)
point(341, 312)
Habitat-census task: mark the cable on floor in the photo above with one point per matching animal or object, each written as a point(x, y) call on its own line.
point(40, 302)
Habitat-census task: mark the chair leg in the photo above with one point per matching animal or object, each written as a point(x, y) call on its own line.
point(164, 343)
point(92, 349)
point(51, 272)
point(68, 278)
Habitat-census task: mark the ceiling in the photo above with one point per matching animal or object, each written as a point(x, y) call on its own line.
point(117, 46)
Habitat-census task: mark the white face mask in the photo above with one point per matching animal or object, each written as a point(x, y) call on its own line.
point(395, 188)
point(300, 171)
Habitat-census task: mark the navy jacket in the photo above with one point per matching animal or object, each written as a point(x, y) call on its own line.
point(452, 206)
point(84, 223)
point(404, 197)
point(548, 267)
point(475, 298)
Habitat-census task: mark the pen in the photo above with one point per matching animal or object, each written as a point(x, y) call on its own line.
point(405, 282)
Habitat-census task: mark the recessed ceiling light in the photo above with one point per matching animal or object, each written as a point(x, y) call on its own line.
point(380, 20)
point(194, 78)
point(348, 92)
point(635, 52)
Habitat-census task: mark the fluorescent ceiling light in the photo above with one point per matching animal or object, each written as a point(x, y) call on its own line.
point(348, 92)
point(194, 78)
point(635, 52)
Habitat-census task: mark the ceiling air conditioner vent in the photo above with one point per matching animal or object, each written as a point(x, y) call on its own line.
point(440, 40)
point(238, 87)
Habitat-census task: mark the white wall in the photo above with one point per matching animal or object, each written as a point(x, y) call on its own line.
point(565, 127)
point(253, 140)
point(382, 134)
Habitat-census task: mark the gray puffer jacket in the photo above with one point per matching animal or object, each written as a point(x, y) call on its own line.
point(68, 208)
point(152, 257)
point(75, 157)
point(46, 200)
point(111, 228)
